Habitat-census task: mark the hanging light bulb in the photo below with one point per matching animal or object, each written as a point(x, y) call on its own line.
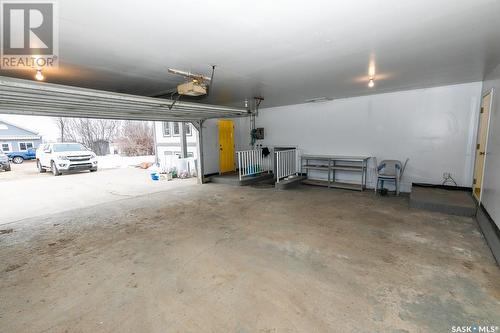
point(39, 76)
point(246, 103)
point(371, 83)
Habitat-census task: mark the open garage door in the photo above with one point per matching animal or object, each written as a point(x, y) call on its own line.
point(33, 98)
point(26, 97)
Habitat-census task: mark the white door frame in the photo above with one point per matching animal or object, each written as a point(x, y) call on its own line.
point(490, 92)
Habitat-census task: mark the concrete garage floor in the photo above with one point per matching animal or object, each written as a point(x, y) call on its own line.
point(215, 258)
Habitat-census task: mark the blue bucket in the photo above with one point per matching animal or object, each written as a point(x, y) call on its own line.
point(155, 176)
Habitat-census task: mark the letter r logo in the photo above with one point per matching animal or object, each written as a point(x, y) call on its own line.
point(28, 28)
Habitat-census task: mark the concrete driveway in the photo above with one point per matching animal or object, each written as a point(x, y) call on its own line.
point(25, 193)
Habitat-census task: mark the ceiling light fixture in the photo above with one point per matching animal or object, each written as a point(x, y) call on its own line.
point(39, 76)
point(371, 71)
point(371, 83)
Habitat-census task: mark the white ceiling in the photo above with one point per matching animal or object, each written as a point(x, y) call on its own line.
point(287, 51)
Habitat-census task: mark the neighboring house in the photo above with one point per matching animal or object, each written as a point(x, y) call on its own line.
point(100, 147)
point(16, 138)
point(168, 141)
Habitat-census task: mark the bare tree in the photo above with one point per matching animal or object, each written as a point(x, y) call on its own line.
point(62, 123)
point(137, 138)
point(93, 133)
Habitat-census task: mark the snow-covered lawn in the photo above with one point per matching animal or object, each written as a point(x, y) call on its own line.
point(117, 161)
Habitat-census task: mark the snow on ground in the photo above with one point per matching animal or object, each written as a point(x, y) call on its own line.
point(117, 161)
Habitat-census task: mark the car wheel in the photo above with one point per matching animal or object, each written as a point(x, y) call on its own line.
point(40, 167)
point(18, 160)
point(93, 170)
point(55, 172)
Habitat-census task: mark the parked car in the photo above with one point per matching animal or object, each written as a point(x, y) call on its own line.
point(65, 156)
point(4, 162)
point(18, 157)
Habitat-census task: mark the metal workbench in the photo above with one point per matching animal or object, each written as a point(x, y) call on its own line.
point(332, 164)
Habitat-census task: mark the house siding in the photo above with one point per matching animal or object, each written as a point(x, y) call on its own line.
point(11, 136)
point(170, 145)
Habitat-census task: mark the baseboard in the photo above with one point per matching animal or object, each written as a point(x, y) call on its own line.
point(208, 175)
point(444, 187)
point(490, 231)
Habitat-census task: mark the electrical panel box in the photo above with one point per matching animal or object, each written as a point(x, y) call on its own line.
point(259, 133)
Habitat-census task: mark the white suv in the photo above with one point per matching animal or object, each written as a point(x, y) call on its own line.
point(65, 156)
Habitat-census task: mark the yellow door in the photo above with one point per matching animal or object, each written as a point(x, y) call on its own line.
point(226, 146)
point(482, 137)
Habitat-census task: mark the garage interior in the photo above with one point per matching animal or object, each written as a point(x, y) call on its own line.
point(284, 96)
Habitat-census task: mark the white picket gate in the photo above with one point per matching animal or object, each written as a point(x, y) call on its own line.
point(286, 163)
point(252, 162)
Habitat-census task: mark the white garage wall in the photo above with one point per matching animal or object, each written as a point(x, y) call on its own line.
point(491, 185)
point(242, 133)
point(210, 138)
point(434, 127)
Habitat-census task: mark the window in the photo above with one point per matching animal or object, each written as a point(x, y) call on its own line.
point(166, 128)
point(59, 147)
point(188, 128)
point(172, 153)
point(23, 146)
point(176, 129)
point(6, 147)
point(177, 153)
